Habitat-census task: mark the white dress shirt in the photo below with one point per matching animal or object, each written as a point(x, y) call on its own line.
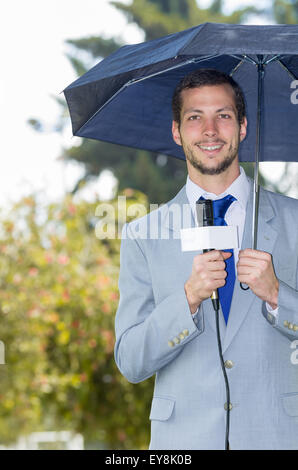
point(235, 214)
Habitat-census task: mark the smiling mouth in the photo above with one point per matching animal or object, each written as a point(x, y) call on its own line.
point(210, 147)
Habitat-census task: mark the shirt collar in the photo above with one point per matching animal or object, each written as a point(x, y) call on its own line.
point(239, 189)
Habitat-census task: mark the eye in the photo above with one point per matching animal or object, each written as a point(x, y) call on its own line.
point(194, 117)
point(224, 116)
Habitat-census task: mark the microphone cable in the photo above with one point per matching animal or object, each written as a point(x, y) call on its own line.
point(205, 218)
point(228, 403)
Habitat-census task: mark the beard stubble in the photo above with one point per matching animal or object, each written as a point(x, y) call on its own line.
point(220, 168)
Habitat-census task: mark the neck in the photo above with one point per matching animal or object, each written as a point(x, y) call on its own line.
point(215, 184)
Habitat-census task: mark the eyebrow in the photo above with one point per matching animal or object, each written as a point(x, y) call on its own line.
point(199, 111)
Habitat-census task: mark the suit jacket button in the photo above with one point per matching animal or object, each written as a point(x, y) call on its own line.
point(270, 317)
point(176, 340)
point(295, 327)
point(229, 364)
point(290, 326)
point(185, 332)
point(226, 406)
point(286, 323)
point(181, 336)
point(171, 344)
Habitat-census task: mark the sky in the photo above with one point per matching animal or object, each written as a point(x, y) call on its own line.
point(34, 70)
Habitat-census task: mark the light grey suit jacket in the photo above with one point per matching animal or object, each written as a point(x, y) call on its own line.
point(156, 334)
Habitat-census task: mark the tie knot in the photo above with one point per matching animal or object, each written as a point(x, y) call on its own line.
point(220, 207)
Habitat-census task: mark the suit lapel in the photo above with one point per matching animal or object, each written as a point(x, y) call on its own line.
point(177, 214)
point(266, 238)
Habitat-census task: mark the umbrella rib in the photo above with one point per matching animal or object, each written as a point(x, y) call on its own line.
point(287, 70)
point(275, 57)
point(133, 81)
point(244, 57)
point(103, 106)
point(236, 67)
point(189, 61)
point(140, 79)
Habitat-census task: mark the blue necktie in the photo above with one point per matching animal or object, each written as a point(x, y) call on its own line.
point(225, 293)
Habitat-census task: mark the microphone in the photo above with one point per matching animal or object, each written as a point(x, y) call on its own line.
point(205, 218)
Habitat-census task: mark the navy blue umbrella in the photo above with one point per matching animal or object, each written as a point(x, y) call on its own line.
point(126, 98)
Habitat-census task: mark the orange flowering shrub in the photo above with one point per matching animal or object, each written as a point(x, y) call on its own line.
point(58, 298)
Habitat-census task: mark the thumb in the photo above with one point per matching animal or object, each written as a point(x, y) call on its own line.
point(226, 254)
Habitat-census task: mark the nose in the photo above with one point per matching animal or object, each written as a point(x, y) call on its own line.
point(210, 128)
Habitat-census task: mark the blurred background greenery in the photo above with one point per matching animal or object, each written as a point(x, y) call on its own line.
point(59, 292)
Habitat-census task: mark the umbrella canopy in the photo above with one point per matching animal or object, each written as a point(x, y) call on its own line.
point(126, 98)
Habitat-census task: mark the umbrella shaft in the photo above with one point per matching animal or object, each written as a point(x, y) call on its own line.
point(257, 158)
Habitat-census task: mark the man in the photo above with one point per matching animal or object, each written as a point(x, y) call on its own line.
point(165, 324)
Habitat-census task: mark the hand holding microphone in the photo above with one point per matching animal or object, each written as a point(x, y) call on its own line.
point(208, 274)
point(208, 270)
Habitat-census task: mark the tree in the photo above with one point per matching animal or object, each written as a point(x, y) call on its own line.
point(157, 176)
point(160, 17)
point(285, 11)
point(58, 299)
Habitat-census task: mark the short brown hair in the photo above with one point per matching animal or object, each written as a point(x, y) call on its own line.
point(207, 77)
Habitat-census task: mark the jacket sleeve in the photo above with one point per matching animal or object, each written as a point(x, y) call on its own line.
point(286, 321)
point(148, 336)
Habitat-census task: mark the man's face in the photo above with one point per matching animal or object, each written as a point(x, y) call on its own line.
point(209, 131)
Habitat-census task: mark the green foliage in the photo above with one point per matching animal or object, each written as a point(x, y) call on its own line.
point(285, 11)
point(160, 17)
point(158, 177)
point(96, 46)
point(58, 300)
point(78, 65)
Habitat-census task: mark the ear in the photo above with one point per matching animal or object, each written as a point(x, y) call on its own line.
point(243, 129)
point(176, 133)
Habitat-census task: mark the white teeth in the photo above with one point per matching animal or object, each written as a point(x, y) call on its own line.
point(213, 147)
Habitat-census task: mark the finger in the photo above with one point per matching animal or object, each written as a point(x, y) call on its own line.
point(216, 283)
point(244, 271)
point(216, 275)
point(258, 254)
point(226, 254)
point(250, 262)
point(215, 255)
point(210, 276)
point(216, 266)
point(219, 284)
point(219, 274)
